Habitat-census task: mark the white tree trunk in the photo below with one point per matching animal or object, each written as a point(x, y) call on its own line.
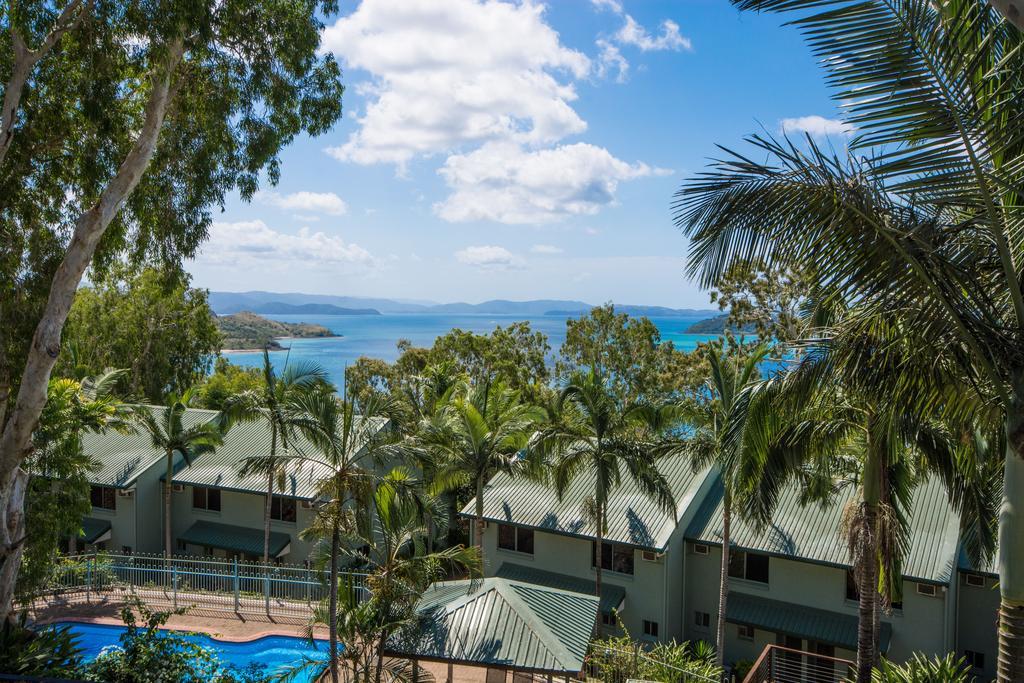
point(16, 439)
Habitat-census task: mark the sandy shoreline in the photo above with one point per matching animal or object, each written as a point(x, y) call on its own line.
point(283, 348)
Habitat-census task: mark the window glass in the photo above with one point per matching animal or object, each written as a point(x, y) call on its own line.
point(213, 499)
point(757, 568)
point(614, 557)
point(104, 497)
point(506, 537)
point(199, 497)
point(737, 560)
point(650, 628)
point(524, 541)
point(282, 509)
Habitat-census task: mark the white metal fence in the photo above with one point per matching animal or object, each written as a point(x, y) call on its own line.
point(206, 583)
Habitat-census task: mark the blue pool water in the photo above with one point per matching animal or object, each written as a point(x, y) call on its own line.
point(272, 652)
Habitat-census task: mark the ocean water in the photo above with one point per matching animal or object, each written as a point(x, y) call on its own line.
point(375, 336)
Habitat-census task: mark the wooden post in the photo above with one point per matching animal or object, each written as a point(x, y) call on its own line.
point(451, 668)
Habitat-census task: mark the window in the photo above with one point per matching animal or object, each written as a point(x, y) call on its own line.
point(701, 549)
point(126, 550)
point(975, 659)
point(104, 497)
point(651, 628)
point(853, 592)
point(749, 566)
point(927, 589)
point(973, 580)
point(745, 632)
point(702, 619)
point(651, 556)
point(614, 557)
point(205, 498)
point(282, 509)
point(516, 539)
point(608, 619)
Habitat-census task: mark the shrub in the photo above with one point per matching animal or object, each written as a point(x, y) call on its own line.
point(49, 651)
point(920, 669)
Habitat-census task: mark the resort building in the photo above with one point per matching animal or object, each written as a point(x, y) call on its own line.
point(216, 509)
point(790, 584)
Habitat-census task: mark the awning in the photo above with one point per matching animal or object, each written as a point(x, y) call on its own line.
point(95, 530)
point(612, 596)
point(500, 623)
point(810, 623)
point(239, 539)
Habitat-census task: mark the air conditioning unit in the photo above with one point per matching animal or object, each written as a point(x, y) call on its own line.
point(701, 549)
point(974, 580)
point(126, 493)
point(178, 488)
point(926, 589)
point(652, 556)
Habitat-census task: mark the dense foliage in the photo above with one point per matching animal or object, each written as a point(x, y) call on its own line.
point(151, 323)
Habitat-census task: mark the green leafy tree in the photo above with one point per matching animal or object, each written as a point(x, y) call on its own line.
point(275, 402)
point(176, 437)
point(121, 126)
point(226, 381)
point(596, 433)
point(58, 493)
point(924, 221)
point(151, 323)
point(629, 353)
point(480, 431)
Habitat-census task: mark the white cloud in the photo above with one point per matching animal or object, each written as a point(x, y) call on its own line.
point(817, 126)
point(322, 202)
point(446, 74)
point(633, 33)
point(255, 243)
point(488, 256)
point(546, 249)
point(505, 183)
point(610, 60)
point(613, 5)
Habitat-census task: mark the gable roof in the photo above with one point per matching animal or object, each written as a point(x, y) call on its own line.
point(612, 595)
point(504, 623)
point(121, 458)
point(633, 518)
point(814, 532)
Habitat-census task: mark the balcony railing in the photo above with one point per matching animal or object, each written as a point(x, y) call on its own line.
point(779, 664)
point(211, 584)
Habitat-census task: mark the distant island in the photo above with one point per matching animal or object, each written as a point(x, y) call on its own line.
point(716, 325)
point(277, 303)
point(245, 331)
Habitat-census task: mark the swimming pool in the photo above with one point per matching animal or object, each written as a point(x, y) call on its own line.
point(272, 652)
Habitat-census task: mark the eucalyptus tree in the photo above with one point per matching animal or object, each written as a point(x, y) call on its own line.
point(596, 434)
point(276, 404)
point(159, 110)
point(482, 430)
point(927, 223)
point(171, 433)
point(348, 442)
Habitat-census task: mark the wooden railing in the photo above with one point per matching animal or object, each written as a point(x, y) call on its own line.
point(779, 664)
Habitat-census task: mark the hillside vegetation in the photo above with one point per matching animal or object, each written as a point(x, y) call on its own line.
point(246, 330)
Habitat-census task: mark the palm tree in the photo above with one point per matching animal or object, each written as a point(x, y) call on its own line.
point(830, 421)
point(274, 403)
point(715, 436)
point(480, 431)
point(168, 430)
point(928, 226)
point(347, 447)
point(596, 435)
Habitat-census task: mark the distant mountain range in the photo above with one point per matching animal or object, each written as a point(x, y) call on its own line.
point(324, 304)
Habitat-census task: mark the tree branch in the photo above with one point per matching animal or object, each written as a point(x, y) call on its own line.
point(24, 60)
point(15, 441)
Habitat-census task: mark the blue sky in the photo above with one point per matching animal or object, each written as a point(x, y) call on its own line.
point(515, 150)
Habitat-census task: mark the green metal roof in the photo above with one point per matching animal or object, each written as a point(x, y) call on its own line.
point(611, 595)
point(786, 618)
point(121, 458)
point(235, 538)
point(93, 529)
point(814, 532)
point(253, 439)
point(633, 518)
point(503, 623)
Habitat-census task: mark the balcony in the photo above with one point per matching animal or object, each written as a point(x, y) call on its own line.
point(779, 664)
